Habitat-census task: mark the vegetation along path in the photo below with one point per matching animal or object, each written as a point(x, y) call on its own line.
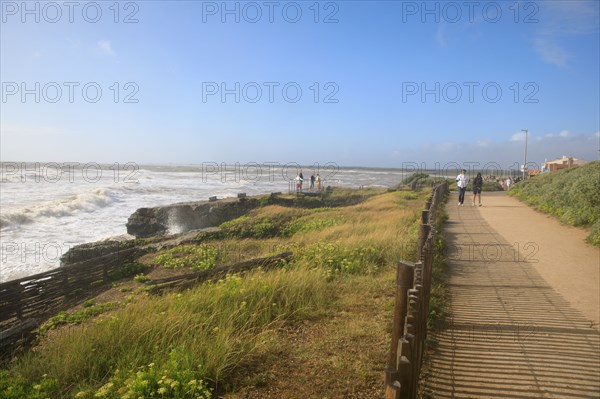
point(522, 311)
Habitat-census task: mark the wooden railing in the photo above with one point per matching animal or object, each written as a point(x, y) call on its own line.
point(409, 328)
point(28, 301)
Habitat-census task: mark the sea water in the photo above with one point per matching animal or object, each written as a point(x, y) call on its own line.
point(45, 209)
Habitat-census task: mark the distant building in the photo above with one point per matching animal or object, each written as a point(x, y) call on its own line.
point(562, 163)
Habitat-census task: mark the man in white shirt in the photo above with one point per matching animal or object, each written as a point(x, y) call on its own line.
point(462, 180)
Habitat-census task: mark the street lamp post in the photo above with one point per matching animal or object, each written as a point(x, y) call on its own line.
point(525, 156)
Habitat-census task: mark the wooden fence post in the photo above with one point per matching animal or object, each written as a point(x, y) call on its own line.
point(404, 281)
point(423, 233)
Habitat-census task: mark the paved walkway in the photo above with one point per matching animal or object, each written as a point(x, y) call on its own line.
point(510, 333)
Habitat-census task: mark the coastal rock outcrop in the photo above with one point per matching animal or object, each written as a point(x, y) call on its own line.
point(186, 216)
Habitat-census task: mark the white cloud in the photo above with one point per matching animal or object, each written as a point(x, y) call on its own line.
point(484, 143)
point(564, 133)
point(105, 47)
point(559, 20)
point(550, 51)
point(520, 136)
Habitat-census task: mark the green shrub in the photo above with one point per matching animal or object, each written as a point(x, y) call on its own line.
point(491, 185)
point(127, 270)
point(195, 257)
point(141, 278)
point(246, 227)
point(303, 225)
point(336, 259)
point(594, 237)
point(20, 388)
point(90, 310)
point(572, 195)
point(173, 382)
point(415, 177)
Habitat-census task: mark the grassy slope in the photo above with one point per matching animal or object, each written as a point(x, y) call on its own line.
point(338, 289)
point(572, 195)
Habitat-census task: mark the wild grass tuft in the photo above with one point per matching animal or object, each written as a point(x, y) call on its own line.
point(572, 195)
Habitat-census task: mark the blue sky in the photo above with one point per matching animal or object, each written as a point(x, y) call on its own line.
point(382, 82)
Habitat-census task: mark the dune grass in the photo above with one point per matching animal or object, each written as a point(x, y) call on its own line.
point(191, 344)
point(572, 195)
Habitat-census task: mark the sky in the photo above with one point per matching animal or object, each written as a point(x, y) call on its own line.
point(356, 83)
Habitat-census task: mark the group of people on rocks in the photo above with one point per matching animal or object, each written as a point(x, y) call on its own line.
point(462, 180)
point(313, 179)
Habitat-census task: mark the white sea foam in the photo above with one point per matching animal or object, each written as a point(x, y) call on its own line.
point(39, 218)
point(84, 202)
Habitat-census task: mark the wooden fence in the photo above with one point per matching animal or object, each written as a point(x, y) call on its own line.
point(189, 280)
point(409, 328)
point(28, 301)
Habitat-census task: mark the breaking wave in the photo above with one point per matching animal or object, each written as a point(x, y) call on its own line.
point(85, 202)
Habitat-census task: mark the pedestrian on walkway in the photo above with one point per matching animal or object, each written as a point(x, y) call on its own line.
point(508, 183)
point(462, 181)
point(477, 187)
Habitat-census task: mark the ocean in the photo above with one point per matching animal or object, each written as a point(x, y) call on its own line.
point(47, 208)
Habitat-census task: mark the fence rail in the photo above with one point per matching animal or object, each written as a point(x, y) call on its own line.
point(28, 301)
point(409, 328)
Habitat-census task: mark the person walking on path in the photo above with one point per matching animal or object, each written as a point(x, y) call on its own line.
point(508, 183)
point(318, 182)
point(477, 186)
point(462, 181)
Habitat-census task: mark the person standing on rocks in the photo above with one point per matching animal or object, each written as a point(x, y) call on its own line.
point(298, 182)
point(462, 181)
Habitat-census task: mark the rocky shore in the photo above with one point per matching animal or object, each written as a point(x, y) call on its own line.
point(182, 217)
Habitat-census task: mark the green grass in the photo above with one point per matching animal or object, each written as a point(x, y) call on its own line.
point(209, 331)
point(194, 343)
point(195, 257)
point(572, 195)
point(89, 311)
point(419, 179)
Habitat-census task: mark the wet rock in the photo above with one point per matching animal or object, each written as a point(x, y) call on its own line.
point(182, 217)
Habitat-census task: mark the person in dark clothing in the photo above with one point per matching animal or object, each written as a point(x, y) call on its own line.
point(312, 182)
point(477, 186)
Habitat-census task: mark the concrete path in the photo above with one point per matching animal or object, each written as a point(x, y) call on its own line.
point(523, 306)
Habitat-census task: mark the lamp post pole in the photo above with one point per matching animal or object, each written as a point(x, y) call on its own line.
point(525, 156)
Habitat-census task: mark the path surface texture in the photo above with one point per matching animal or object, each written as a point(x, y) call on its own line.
point(523, 306)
